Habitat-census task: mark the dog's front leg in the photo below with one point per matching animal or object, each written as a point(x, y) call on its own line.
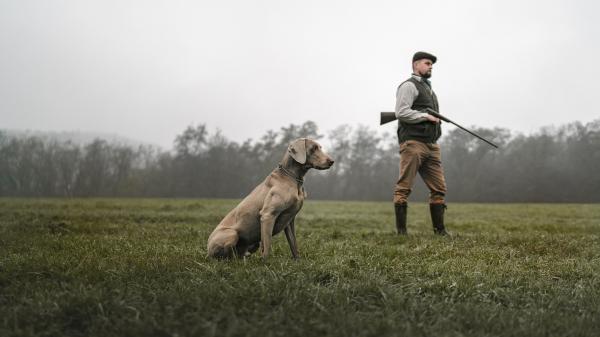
point(268, 215)
point(290, 234)
point(267, 221)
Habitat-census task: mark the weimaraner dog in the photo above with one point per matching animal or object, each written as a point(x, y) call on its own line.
point(271, 207)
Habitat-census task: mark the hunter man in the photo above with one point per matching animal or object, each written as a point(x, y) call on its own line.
point(418, 133)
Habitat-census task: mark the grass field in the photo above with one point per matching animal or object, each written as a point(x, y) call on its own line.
point(103, 267)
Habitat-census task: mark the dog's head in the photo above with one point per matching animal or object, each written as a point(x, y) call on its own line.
point(309, 153)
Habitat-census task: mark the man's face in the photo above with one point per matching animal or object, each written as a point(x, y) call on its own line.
point(423, 67)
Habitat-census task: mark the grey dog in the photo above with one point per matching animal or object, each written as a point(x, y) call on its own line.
point(271, 207)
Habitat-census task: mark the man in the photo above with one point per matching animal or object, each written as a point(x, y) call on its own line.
point(418, 133)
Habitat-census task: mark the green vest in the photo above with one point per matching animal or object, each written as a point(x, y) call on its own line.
point(425, 132)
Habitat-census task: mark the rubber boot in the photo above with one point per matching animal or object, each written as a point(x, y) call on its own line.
point(401, 218)
point(437, 218)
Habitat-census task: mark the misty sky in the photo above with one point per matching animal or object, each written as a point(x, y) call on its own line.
point(147, 69)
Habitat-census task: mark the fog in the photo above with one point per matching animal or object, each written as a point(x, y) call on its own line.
point(148, 69)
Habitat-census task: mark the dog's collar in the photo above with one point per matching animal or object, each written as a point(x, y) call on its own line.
point(300, 181)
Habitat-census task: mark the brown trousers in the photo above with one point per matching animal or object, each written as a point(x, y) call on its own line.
point(426, 159)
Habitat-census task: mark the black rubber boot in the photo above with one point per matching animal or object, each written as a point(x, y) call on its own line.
point(437, 218)
point(401, 218)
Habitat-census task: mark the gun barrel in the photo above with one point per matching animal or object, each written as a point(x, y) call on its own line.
point(476, 135)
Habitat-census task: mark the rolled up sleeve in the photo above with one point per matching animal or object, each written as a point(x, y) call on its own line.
point(405, 96)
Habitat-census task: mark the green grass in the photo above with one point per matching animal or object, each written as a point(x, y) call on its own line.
point(101, 267)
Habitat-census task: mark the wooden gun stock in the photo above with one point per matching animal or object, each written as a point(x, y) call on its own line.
point(387, 117)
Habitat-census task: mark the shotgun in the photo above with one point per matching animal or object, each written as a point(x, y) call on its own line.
point(387, 117)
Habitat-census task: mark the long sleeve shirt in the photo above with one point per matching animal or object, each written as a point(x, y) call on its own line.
point(405, 96)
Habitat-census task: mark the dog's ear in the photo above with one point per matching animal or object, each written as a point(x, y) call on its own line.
point(298, 150)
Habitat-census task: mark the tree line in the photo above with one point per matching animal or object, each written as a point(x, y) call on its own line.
point(551, 165)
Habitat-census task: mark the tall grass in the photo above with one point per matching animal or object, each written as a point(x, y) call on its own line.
point(101, 267)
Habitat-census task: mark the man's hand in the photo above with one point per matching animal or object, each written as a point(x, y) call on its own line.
point(432, 119)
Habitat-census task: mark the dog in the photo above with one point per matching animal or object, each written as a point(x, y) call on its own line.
point(271, 207)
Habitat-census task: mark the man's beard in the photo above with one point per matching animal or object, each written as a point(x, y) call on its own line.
point(426, 75)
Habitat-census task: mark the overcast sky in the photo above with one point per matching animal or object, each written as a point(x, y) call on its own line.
point(147, 69)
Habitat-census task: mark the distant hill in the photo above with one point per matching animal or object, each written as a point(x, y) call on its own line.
point(76, 137)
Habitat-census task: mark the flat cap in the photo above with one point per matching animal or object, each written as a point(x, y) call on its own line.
point(423, 55)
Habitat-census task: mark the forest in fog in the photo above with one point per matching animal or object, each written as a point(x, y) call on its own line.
point(557, 164)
